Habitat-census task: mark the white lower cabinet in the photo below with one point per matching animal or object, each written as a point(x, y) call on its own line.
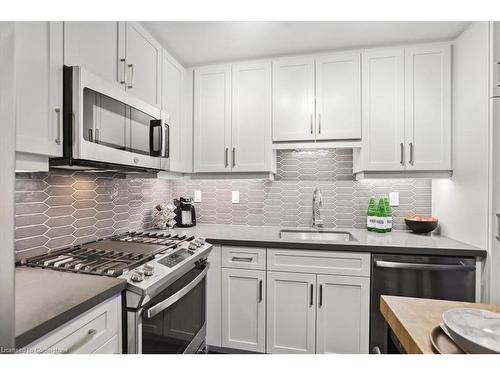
point(343, 314)
point(96, 331)
point(243, 309)
point(288, 301)
point(291, 312)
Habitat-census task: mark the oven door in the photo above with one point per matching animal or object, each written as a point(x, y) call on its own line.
point(173, 322)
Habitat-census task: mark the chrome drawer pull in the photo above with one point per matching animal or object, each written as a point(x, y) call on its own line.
point(242, 259)
point(77, 345)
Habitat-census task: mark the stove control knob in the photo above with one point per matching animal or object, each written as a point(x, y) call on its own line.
point(136, 277)
point(148, 270)
point(192, 246)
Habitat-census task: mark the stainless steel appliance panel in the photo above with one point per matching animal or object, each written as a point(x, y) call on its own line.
point(434, 277)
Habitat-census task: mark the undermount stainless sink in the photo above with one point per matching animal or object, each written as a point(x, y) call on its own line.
point(316, 235)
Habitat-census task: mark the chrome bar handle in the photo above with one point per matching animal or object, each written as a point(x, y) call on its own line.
point(402, 155)
point(424, 266)
point(59, 128)
point(241, 259)
point(312, 130)
point(411, 153)
point(89, 336)
point(498, 227)
point(320, 302)
point(498, 72)
point(131, 75)
point(122, 74)
point(158, 308)
point(234, 157)
point(311, 301)
point(260, 290)
point(319, 123)
point(226, 163)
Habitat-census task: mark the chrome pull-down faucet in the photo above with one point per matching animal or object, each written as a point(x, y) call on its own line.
point(317, 221)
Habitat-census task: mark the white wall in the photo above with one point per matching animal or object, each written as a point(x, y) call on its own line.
point(461, 203)
point(7, 166)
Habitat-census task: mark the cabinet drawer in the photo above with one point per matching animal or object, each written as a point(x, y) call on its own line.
point(86, 333)
point(112, 346)
point(324, 262)
point(244, 257)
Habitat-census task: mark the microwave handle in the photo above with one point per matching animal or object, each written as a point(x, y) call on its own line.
point(165, 141)
point(159, 307)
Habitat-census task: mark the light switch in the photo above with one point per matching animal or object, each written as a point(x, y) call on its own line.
point(235, 197)
point(394, 198)
point(197, 196)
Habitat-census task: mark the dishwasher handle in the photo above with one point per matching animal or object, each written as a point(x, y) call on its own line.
point(425, 266)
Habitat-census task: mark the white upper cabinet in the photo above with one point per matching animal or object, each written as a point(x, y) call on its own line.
point(495, 58)
point(123, 53)
point(251, 117)
point(143, 64)
point(293, 99)
point(212, 118)
point(383, 109)
point(39, 75)
point(338, 96)
point(96, 46)
point(291, 312)
point(343, 314)
point(428, 107)
point(406, 109)
point(172, 104)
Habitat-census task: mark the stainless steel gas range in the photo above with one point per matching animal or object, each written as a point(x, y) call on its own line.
point(166, 285)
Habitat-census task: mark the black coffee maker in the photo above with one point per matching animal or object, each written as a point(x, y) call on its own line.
point(185, 212)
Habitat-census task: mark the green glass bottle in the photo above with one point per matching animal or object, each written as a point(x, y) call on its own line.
point(388, 212)
point(381, 226)
point(371, 215)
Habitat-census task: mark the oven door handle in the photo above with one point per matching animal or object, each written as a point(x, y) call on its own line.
point(424, 266)
point(159, 307)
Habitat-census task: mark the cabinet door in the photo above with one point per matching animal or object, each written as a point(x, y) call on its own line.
point(172, 93)
point(143, 57)
point(343, 314)
point(39, 74)
point(212, 118)
point(291, 309)
point(383, 109)
point(338, 96)
point(495, 58)
point(428, 106)
point(251, 117)
point(96, 46)
point(293, 99)
point(243, 309)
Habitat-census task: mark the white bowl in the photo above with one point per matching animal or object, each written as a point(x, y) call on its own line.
point(474, 330)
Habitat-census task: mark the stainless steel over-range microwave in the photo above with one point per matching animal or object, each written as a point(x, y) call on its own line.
point(106, 128)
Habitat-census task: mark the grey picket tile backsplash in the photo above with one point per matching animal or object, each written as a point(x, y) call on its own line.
point(62, 208)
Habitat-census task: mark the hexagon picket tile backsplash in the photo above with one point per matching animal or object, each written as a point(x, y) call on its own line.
point(61, 208)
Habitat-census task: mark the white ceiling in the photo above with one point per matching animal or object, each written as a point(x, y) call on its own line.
point(196, 43)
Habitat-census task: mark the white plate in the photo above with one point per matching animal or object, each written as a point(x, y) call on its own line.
point(474, 330)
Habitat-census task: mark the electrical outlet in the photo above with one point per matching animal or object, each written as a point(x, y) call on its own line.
point(235, 197)
point(197, 196)
point(394, 198)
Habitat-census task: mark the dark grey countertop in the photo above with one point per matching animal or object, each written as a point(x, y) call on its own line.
point(46, 299)
point(396, 242)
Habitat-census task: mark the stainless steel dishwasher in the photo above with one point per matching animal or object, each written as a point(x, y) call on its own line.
point(435, 277)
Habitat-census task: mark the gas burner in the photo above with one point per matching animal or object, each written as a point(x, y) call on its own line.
point(115, 256)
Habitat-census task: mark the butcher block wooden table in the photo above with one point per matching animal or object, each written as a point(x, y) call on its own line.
point(412, 319)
